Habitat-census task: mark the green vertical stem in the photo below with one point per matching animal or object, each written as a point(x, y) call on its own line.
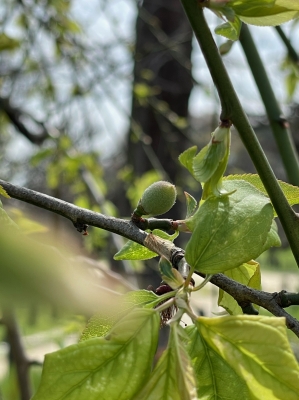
point(291, 51)
point(278, 125)
point(232, 109)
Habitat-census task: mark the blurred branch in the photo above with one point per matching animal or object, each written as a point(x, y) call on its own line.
point(232, 110)
point(15, 116)
point(293, 55)
point(19, 358)
point(279, 125)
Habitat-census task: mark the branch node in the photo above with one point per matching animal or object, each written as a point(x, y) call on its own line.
point(81, 227)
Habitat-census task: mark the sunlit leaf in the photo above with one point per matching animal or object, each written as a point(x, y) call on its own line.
point(256, 348)
point(216, 379)
point(191, 204)
point(228, 231)
point(4, 193)
point(248, 274)
point(112, 367)
point(291, 192)
point(173, 377)
point(230, 29)
point(134, 251)
point(186, 158)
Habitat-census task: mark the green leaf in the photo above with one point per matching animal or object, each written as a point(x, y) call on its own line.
point(230, 230)
point(113, 367)
point(134, 251)
point(4, 193)
point(226, 47)
point(230, 29)
point(257, 349)
point(173, 377)
point(191, 204)
point(291, 192)
point(248, 274)
point(100, 324)
point(216, 379)
point(6, 223)
point(207, 161)
point(186, 158)
point(7, 43)
point(170, 275)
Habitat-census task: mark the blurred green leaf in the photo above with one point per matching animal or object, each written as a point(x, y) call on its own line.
point(99, 325)
point(7, 43)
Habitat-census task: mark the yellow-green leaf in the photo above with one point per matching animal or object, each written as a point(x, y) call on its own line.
point(4, 193)
point(216, 379)
point(258, 350)
point(248, 274)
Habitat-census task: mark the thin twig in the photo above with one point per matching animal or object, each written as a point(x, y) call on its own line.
point(18, 354)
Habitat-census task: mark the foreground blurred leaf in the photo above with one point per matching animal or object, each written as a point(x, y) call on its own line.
point(110, 368)
point(172, 378)
point(99, 325)
point(31, 272)
point(254, 350)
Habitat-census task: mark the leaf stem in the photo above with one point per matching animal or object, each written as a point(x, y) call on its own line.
point(232, 109)
point(291, 51)
point(279, 125)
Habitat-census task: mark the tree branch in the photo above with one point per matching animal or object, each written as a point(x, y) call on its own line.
point(15, 114)
point(82, 217)
point(279, 125)
point(244, 295)
point(18, 354)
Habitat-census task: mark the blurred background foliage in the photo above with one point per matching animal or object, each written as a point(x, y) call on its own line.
point(97, 100)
